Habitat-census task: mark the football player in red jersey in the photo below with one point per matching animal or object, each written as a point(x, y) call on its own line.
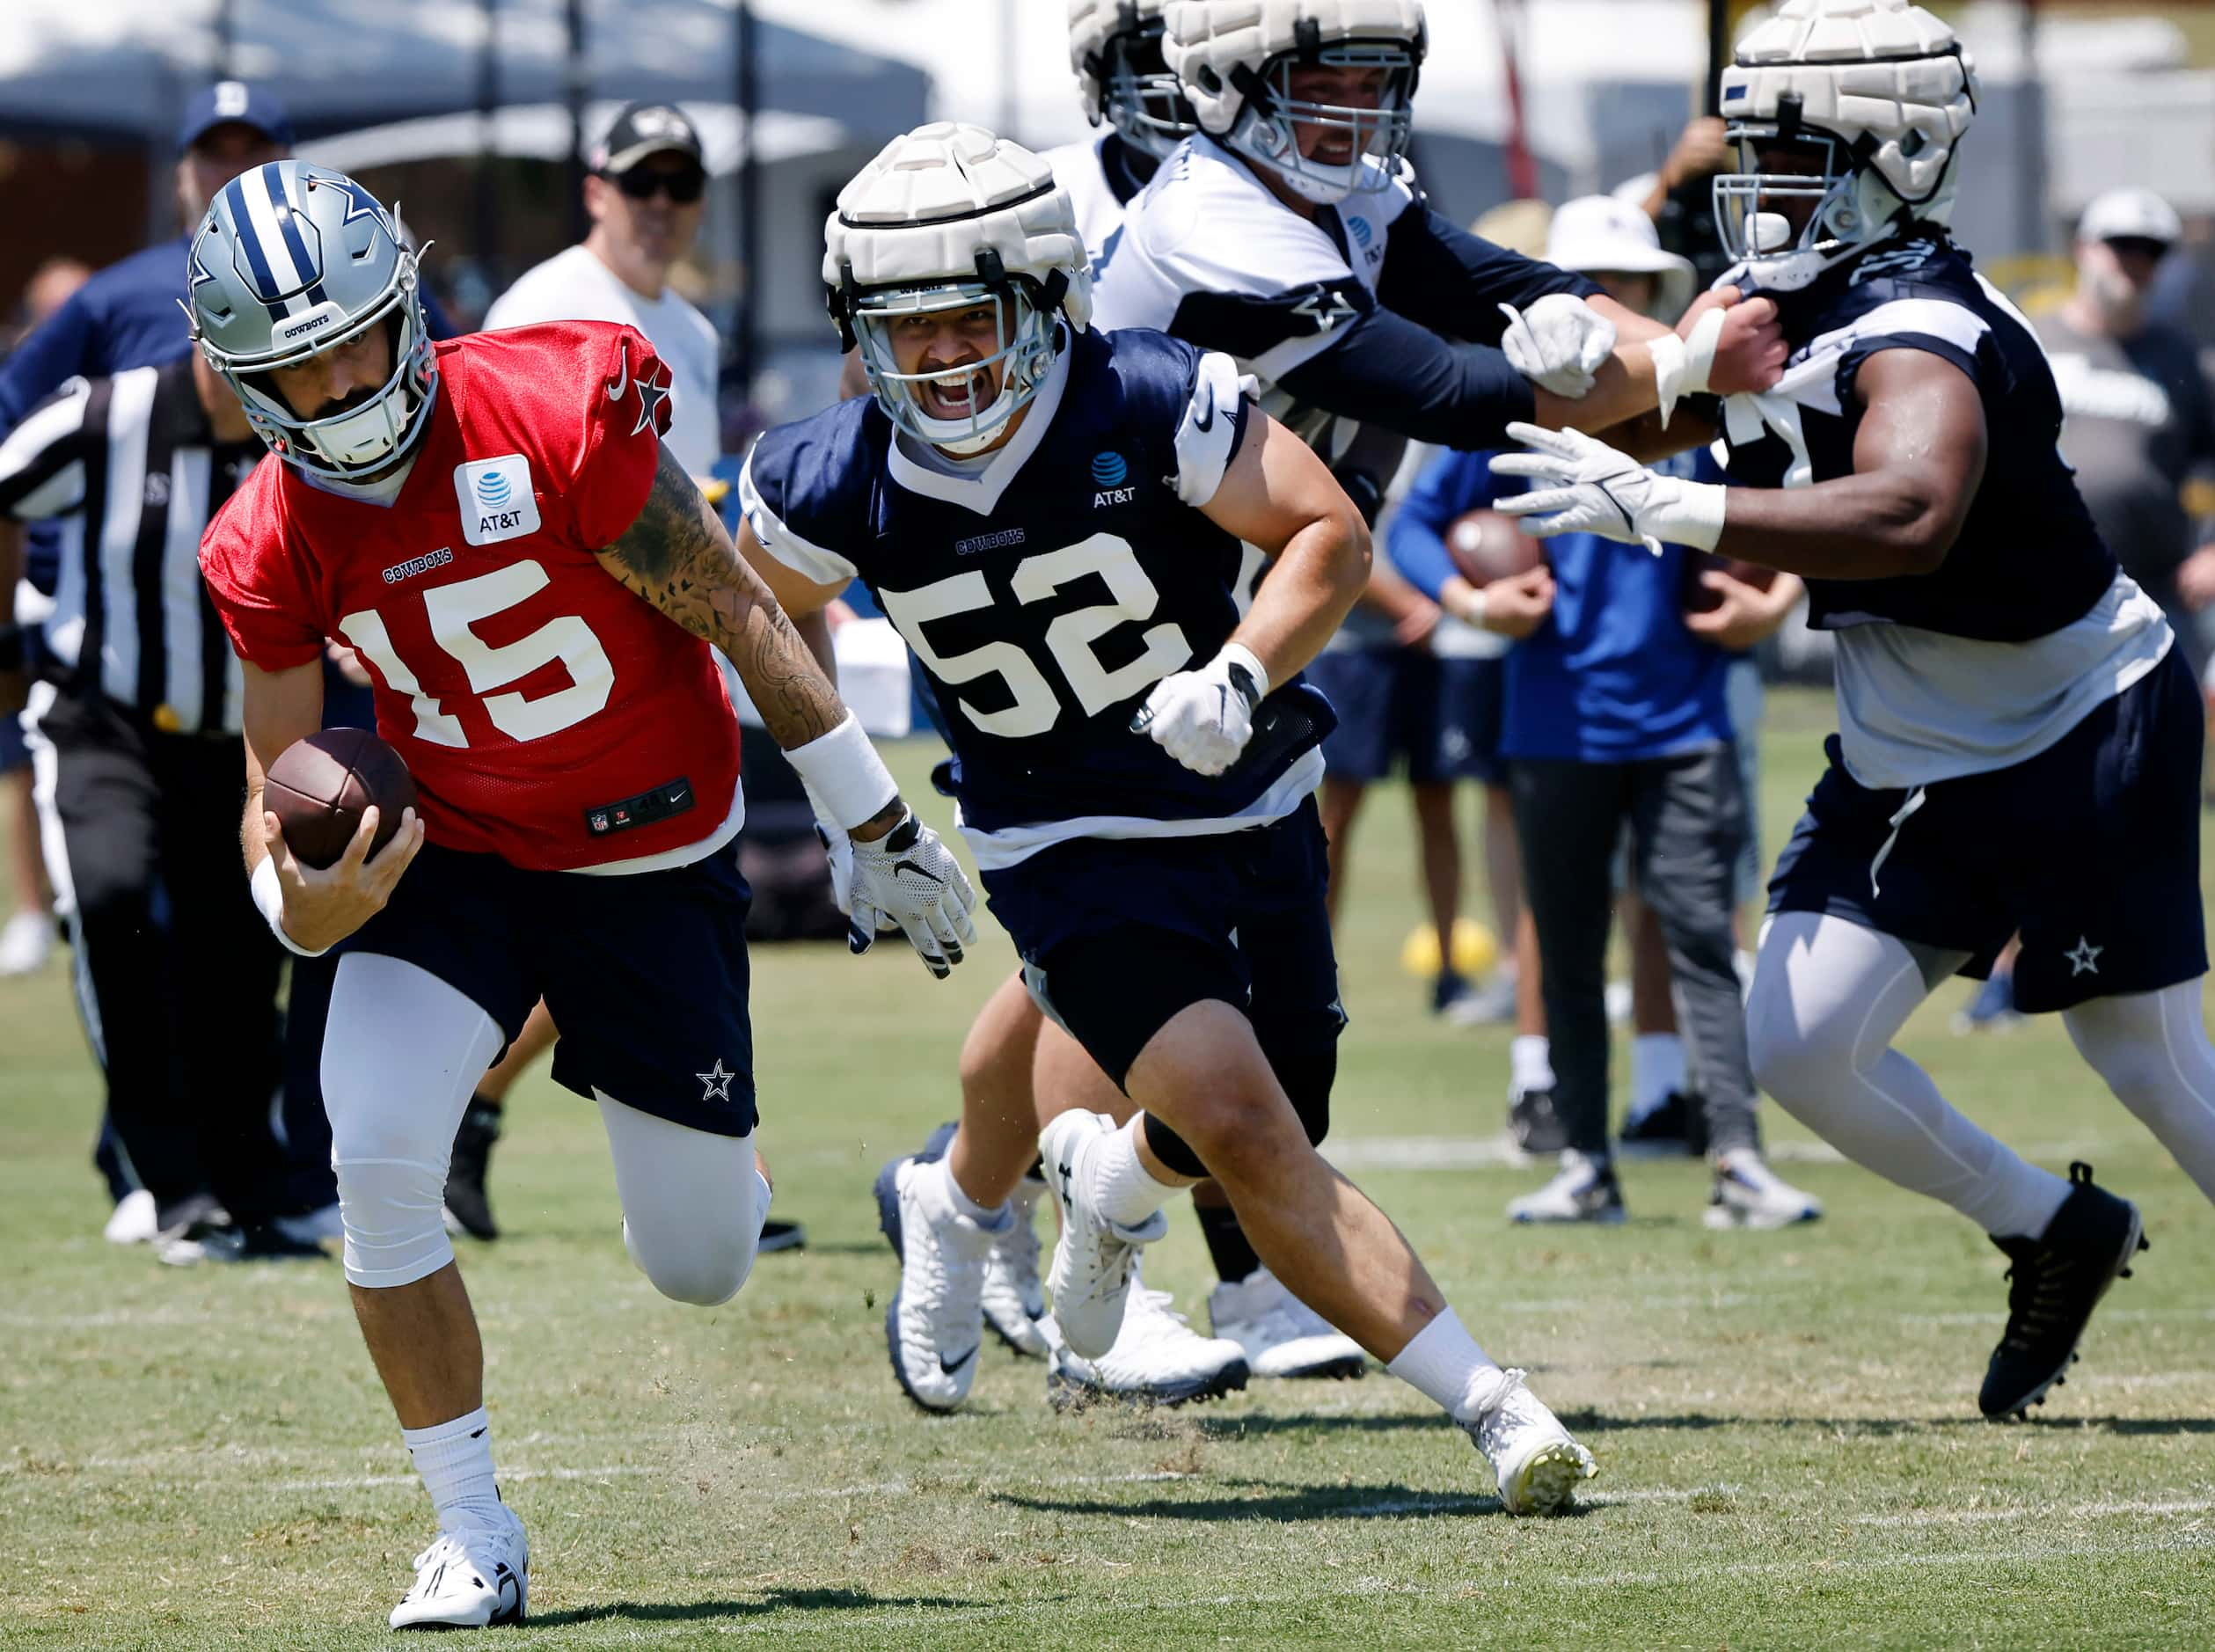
point(537, 591)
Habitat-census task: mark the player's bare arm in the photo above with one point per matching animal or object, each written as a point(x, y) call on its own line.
point(1918, 457)
point(678, 556)
point(1278, 497)
point(318, 908)
point(1722, 345)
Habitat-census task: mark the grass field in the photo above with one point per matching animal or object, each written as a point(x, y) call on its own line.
point(1786, 1424)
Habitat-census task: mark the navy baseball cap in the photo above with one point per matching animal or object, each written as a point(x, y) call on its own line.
point(234, 101)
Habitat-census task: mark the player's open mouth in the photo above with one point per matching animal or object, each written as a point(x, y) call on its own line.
point(956, 398)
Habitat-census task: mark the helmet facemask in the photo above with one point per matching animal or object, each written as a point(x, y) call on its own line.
point(360, 441)
point(1025, 327)
point(1140, 97)
point(1267, 128)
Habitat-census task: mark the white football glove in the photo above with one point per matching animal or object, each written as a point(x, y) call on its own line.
point(1558, 343)
point(838, 850)
point(1588, 488)
point(909, 879)
point(1204, 718)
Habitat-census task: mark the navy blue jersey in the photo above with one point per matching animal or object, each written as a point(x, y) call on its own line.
point(2029, 560)
point(1046, 591)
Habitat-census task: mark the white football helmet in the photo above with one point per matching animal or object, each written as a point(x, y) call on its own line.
point(1879, 92)
point(1115, 46)
point(949, 217)
point(1236, 58)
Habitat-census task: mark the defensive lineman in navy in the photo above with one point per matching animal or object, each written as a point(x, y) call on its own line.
point(1052, 518)
point(2019, 738)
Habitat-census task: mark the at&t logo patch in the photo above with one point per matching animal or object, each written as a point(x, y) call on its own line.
point(1110, 471)
point(496, 499)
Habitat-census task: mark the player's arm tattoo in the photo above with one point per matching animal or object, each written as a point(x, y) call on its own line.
point(678, 556)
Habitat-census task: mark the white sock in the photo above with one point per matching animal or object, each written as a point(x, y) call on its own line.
point(983, 1216)
point(1121, 1189)
point(1531, 1062)
point(456, 1461)
point(1441, 1361)
point(1657, 1067)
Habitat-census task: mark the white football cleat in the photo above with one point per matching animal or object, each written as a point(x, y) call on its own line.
point(25, 940)
point(1014, 1296)
point(1281, 1335)
point(469, 1578)
point(1157, 1360)
point(1093, 1258)
point(1748, 1194)
point(1536, 1462)
point(934, 1324)
point(1583, 1189)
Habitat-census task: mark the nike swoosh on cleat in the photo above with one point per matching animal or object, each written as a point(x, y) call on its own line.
point(950, 1366)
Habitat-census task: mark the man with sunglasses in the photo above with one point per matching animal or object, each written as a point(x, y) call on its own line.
point(645, 196)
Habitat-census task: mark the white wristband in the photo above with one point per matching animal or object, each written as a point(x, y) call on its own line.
point(1695, 517)
point(1239, 653)
point(846, 781)
point(1682, 367)
point(1469, 609)
point(269, 898)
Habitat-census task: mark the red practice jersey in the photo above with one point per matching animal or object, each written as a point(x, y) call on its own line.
point(548, 716)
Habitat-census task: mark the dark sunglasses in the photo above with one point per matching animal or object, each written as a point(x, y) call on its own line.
point(2145, 245)
point(683, 188)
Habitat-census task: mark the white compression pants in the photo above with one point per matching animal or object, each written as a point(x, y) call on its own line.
point(402, 1054)
point(2151, 1048)
point(1827, 999)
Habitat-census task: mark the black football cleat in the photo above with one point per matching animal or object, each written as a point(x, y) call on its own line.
point(466, 1204)
point(781, 1236)
point(2056, 1280)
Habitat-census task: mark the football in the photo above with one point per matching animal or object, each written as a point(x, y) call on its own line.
point(1698, 599)
point(1486, 546)
point(318, 788)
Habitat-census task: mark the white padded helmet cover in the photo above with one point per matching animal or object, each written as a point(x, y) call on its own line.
point(1208, 40)
point(1092, 25)
point(932, 200)
point(1884, 68)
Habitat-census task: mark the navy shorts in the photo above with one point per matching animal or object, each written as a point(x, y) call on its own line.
point(1440, 717)
point(13, 753)
point(1118, 936)
point(645, 974)
point(2090, 850)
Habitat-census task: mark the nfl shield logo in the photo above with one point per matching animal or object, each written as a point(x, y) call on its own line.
point(597, 819)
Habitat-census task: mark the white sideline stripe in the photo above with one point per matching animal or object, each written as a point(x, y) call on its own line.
point(1493, 1152)
point(2067, 1512)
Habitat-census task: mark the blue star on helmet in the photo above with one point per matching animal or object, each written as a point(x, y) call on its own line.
point(360, 203)
point(197, 269)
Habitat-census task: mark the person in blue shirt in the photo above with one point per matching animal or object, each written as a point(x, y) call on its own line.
point(1616, 716)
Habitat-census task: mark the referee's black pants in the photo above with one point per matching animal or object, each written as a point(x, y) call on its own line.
point(176, 973)
point(1688, 820)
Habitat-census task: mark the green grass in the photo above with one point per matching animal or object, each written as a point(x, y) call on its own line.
point(1785, 1422)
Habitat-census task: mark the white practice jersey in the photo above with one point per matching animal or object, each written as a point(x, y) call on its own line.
point(1207, 251)
point(1082, 169)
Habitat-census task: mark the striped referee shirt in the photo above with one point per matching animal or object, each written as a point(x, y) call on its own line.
point(129, 470)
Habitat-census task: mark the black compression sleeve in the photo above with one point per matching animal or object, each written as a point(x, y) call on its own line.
point(1385, 370)
point(1455, 282)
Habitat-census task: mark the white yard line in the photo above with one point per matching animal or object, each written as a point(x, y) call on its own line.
point(2044, 1512)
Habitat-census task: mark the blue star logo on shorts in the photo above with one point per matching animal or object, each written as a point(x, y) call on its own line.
point(715, 1085)
point(2085, 959)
